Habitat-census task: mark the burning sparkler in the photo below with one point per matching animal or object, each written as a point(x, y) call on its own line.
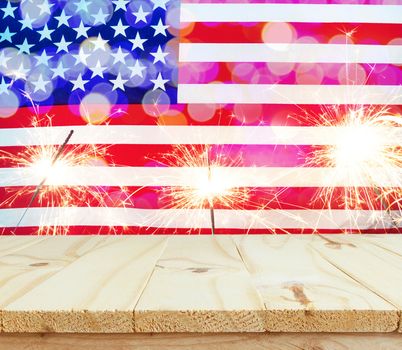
point(368, 148)
point(211, 199)
point(210, 189)
point(51, 164)
point(39, 187)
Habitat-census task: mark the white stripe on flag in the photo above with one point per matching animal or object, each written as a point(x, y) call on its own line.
point(212, 135)
point(289, 94)
point(196, 218)
point(290, 13)
point(300, 53)
point(192, 176)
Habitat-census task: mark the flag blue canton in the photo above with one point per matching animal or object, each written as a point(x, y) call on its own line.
point(56, 52)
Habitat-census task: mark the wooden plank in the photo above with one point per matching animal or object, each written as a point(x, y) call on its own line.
point(10, 244)
point(94, 293)
point(24, 269)
point(378, 269)
point(199, 284)
point(191, 341)
point(28, 265)
point(391, 242)
point(303, 292)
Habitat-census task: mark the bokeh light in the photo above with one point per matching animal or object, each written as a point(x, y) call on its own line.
point(156, 103)
point(37, 16)
point(95, 108)
point(201, 112)
point(352, 74)
point(247, 113)
point(9, 104)
point(309, 73)
point(278, 32)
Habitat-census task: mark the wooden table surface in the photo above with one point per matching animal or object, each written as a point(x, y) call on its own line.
point(159, 284)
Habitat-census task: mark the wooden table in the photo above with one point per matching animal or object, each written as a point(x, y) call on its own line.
point(201, 292)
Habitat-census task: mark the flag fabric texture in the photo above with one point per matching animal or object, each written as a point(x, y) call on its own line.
point(150, 87)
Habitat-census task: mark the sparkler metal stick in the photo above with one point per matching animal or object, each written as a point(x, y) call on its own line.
point(40, 185)
point(211, 199)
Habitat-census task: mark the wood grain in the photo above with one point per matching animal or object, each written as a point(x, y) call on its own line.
point(94, 293)
point(303, 292)
point(259, 283)
point(199, 284)
point(23, 270)
point(374, 267)
point(390, 242)
point(10, 244)
point(180, 341)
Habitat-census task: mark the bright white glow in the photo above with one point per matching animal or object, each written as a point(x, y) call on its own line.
point(55, 174)
point(359, 145)
point(211, 186)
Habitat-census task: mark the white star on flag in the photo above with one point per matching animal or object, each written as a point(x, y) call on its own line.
point(137, 69)
point(160, 28)
point(141, 15)
point(119, 29)
point(159, 55)
point(82, 30)
point(118, 83)
point(40, 84)
point(97, 70)
point(138, 42)
point(99, 43)
point(79, 83)
point(120, 4)
point(62, 19)
point(62, 45)
point(160, 3)
point(26, 22)
point(45, 33)
point(119, 55)
point(100, 17)
point(159, 82)
point(59, 71)
point(4, 87)
point(8, 10)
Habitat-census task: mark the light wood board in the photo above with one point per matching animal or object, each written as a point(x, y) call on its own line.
point(302, 292)
point(199, 283)
point(191, 341)
point(333, 283)
point(376, 268)
point(23, 270)
point(95, 293)
point(11, 244)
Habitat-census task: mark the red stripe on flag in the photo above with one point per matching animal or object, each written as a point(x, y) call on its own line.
point(290, 73)
point(267, 198)
point(168, 155)
point(332, 33)
point(195, 114)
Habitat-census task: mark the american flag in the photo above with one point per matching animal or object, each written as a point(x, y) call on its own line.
point(147, 86)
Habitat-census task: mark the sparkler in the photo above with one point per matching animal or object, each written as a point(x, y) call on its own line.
point(368, 148)
point(51, 163)
point(209, 189)
point(211, 199)
point(39, 187)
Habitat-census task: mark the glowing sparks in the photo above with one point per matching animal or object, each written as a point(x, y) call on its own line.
point(51, 165)
point(210, 186)
point(368, 148)
point(211, 189)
